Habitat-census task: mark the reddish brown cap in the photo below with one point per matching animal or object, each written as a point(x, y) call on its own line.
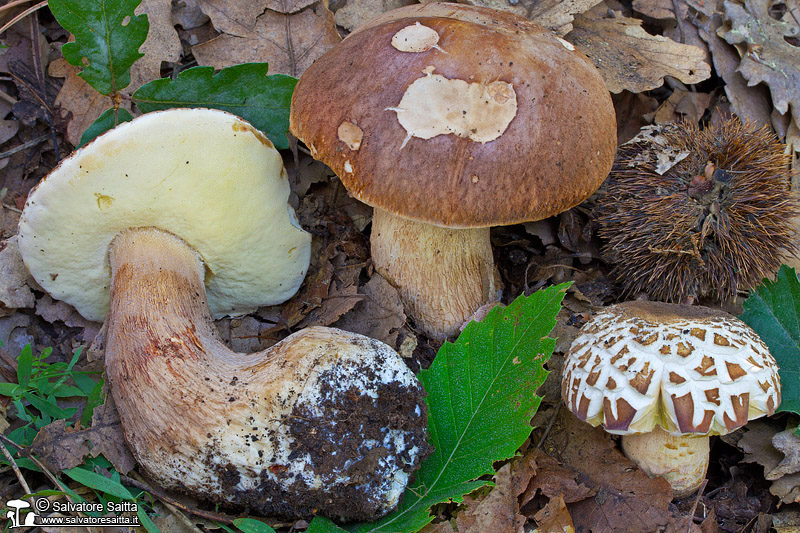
point(458, 116)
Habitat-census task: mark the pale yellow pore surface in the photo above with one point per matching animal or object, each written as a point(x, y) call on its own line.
point(434, 105)
point(204, 175)
point(442, 275)
point(680, 459)
point(415, 38)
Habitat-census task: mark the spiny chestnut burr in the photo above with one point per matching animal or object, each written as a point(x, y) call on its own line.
point(690, 213)
point(181, 215)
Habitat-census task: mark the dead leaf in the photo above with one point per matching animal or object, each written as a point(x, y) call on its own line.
point(59, 447)
point(631, 110)
point(378, 315)
point(288, 6)
point(14, 291)
point(554, 481)
point(8, 128)
point(56, 310)
point(289, 43)
point(757, 444)
point(162, 43)
point(749, 103)
point(357, 12)
point(554, 517)
point(766, 55)
point(78, 103)
point(631, 59)
point(788, 444)
point(625, 498)
point(188, 15)
point(682, 104)
point(555, 15)
point(498, 511)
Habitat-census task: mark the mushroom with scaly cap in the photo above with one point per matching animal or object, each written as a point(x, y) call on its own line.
point(666, 377)
point(181, 214)
point(449, 119)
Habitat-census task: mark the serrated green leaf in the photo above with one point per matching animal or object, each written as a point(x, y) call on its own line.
point(773, 311)
point(244, 90)
point(98, 482)
point(107, 39)
point(481, 399)
point(251, 525)
point(108, 120)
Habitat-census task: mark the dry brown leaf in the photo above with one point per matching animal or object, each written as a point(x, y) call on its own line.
point(289, 43)
point(682, 104)
point(625, 498)
point(162, 43)
point(188, 15)
point(357, 12)
point(77, 101)
point(656, 9)
point(14, 291)
point(555, 15)
point(60, 448)
point(498, 511)
point(287, 6)
point(378, 315)
point(554, 480)
point(554, 517)
point(631, 59)
point(757, 442)
point(767, 56)
point(631, 109)
point(751, 104)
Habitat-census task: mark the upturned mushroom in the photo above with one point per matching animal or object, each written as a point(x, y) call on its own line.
point(666, 377)
point(449, 119)
point(181, 214)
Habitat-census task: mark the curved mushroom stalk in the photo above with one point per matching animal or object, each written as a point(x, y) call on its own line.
point(682, 460)
point(323, 422)
point(443, 275)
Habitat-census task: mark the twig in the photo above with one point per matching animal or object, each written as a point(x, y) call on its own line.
point(22, 15)
point(39, 70)
point(694, 507)
point(14, 3)
point(161, 495)
point(549, 427)
point(8, 98)
point(24, 146)
point(16, 470)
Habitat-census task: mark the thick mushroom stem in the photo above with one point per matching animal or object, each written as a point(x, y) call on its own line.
point(680, 459)
point(443, 275)
point(324, 421)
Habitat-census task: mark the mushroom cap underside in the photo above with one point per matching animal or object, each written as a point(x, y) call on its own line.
point(458, 116)
point(203, 175)
point(688, 369)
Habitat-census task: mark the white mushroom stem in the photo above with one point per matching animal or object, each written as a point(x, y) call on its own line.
point(680, 459)
point(443, 275)
point(303, 427)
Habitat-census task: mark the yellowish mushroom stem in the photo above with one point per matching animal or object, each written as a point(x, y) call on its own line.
point(264, 430)
point(680, 459)
point(443, 275)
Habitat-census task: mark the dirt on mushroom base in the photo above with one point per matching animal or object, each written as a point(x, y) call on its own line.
point(332, 442)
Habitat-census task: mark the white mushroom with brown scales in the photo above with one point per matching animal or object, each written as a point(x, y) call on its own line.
point(181, 214)
point(666, 377)
point(449, 119)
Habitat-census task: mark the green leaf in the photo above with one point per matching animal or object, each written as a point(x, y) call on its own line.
point(98, 482)
point(107, 39)
point(773, 311)
point(320, 524)
point(49, 408)
point(251, 525)
point(10, 389)
point(244, 90)
point(481, 399)
point(95, 398)
point(109, 119)
point(145, 520)
point(24, 366)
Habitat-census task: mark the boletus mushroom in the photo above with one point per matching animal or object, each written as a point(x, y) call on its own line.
point(666, 377)
point(449, 119)
point(180, 215)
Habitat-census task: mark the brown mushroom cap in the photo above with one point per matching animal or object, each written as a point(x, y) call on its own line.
point(458, 116)
point(688, 369)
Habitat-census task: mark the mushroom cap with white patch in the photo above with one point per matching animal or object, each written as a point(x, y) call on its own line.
point(204, 175)
point(458, 116)
point(688, 369)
